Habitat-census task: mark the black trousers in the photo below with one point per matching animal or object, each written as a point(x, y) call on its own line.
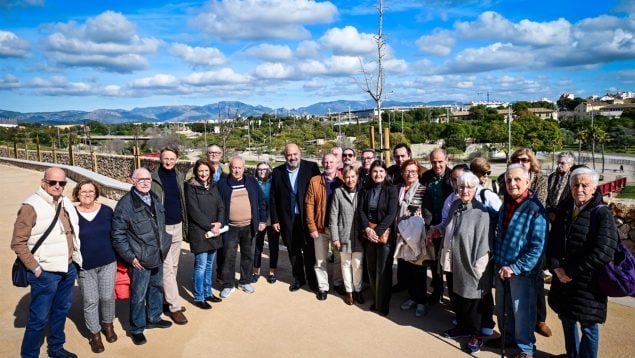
point(468, 310)
point(231, 240)
point(415, 280)
point(301, 254)
point(437, 277)
point(379, 261)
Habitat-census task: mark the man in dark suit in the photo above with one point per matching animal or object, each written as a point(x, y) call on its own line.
point(288, 190)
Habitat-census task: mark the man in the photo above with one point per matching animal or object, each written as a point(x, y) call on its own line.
point(288, 191)
point(558, 183)
point(518, 248)
point(52, 269)
point(139, 237)
point(214, 155)
point(318, 203)
point(400, 154)
point(348, 157)
point(167, 184)
point(245, 213)
point(337, 152)
point(438, 187)
point(368, 157)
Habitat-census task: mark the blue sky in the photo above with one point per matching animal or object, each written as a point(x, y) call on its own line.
point(86, 55)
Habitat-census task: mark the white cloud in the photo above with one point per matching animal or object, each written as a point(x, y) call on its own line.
point(395, 65)
point(13, 46)
point(21, 3)
point(156, 81)
point(465, 84)
point(270, 52)
point(312, 68)
point(198, 56)
point(348, 41)
point(107, 41)
point(214, 78)
point(313, 85)
point(342, 65)
point(9, 82)
point(274, 71)
point(308, 49)
point(262, 19)
point(492, 57)
point(440, 43)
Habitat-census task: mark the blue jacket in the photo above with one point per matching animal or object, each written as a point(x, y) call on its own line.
point(522, 246)
point(256, 198)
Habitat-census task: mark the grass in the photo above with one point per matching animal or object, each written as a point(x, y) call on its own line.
point(628, 192)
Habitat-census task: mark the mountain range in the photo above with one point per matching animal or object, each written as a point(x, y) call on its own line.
point(188, 113)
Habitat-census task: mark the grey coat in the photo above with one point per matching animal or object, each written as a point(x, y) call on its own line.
point(470, 242)
point(343, 222)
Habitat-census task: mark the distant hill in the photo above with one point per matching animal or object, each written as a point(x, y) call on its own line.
point(185, 113)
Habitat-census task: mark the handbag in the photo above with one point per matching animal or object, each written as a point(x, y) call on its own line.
point(19, 271)
point(383, 239)
point(617, 277)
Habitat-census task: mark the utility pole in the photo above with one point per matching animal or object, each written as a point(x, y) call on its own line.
point(509, 132)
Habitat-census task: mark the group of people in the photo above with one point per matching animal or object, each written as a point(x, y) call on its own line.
point(341, 227)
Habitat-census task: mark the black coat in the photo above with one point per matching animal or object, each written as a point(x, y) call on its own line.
point(281, 197)
point(581, 246)
point(428, 200)
point(204, 206)
point(387, 209)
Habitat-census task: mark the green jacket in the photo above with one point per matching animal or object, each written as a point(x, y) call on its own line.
point(157, 188)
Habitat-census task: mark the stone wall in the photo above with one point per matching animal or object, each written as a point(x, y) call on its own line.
point(625, 219)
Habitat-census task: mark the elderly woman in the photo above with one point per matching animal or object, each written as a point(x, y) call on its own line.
point(342, 223)
point(205, 212)
point(582, 241)
point(263, 176)
point(464, 258)
point(378, 209)
point(410, 204)
point(97, 276)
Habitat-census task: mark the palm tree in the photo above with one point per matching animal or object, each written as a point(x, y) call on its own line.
point(580, 136)
point(601, 137)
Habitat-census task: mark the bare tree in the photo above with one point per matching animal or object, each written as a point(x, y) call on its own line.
point(372, 85)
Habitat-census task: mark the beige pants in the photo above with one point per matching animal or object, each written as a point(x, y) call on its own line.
point(171, 266)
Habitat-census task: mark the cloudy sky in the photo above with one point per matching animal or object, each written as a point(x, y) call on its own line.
point(86, 55)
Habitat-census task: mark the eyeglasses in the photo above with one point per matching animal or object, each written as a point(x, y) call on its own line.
point(62, 183)
point(87, 193)
point(213, 153)
point(522, 160)
point(562, 163)
point(142, 180)
point(409, 172)
point(262, 169)
point(368, 158)
point(348, 155)
point(489, 172)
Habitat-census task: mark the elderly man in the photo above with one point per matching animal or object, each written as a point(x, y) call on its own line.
point(245, 212)
point(214, 155)
point(520, 240)
point(289, 184)
point(318, 203)
point(400, 154)
point(139, 237)
point(167, 184)
point(558, 183)
point(368, 157)
point(50, 217)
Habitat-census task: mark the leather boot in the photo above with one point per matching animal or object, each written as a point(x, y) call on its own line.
point(109, 332)
point(95, 342)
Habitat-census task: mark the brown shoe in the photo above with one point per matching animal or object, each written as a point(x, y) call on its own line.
point(542, 329)
point(178, 317)
point(95, 342)
point(348, 298)
point(109, 332)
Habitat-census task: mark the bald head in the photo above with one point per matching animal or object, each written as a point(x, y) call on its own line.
point(53, 182)
point(237, 168)
point(292, 155)
point(142, 180)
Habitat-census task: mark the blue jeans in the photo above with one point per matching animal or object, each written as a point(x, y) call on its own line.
point(203, 274)
point(585, 348)
point(146, 297)
point(51, 298)
point(521, 311)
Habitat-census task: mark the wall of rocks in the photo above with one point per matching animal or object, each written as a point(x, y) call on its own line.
point(625, 219)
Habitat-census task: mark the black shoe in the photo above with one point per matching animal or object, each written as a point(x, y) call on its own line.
point(138, 338)
point(384, 312)
point(214, 299)
point(358, 297)
point(398, 288)
point(314, 287)
point(321, 295)
point(203, 305)
point(340, 290)
point(373, 307)
point(161, 323)
point(272, 279)
point(456, 332)
point(62, 353)
point(498, 343)
point(255, 277)
point(434, 298)
point(166, 308)
point(296, 285)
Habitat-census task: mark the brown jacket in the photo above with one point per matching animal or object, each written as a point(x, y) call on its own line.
point(315, 204)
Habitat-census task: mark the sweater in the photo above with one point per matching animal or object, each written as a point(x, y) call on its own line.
point(94, 235)
point(158, 189)
point(172, 196)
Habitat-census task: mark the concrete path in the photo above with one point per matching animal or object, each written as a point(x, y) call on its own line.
point(272, 322)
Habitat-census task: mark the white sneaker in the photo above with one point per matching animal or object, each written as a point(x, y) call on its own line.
point(421, 310)
point(226, 292)
point(408, 304)
point(247, 288)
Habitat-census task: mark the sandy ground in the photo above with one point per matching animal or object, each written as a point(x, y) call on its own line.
point(272, 322)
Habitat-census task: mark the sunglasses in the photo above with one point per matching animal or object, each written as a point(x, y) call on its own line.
point(522, 160)
point(55, 182)
point(348, 155)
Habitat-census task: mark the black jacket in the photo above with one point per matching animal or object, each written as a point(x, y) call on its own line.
point(428, 201)
point(138, 231)
point(387, 209)
point(581, 246)
point(204, 206)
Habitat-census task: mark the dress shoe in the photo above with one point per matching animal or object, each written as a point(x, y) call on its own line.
point(178, 317)
point(359, 297)
point(296, 285)
point(213, 299)
point(542, 329)
point(498, 343)
point(166, 308)
point(340, 290)
point(349, 299)
point(321, 295)
point(62, 353)
point(138, 338)
point(203, 305)
point(161, 323)
point(95, 343)
point(109, 332)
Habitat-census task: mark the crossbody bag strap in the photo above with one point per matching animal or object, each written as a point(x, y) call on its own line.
point(48, 230)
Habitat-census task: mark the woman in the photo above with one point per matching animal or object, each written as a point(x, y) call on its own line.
point(582, 241)
point(97, 276)
point(410, 200)
point(464, 258)
point(205, 210)
point(263, 175)
point(346, 239)
point(379, 205)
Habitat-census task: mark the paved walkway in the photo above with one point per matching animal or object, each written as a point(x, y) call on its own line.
point(272, 322)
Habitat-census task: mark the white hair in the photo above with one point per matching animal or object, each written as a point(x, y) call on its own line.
point(595, 177)
point(525, 172)
point(568, 156)
point(468, 179)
